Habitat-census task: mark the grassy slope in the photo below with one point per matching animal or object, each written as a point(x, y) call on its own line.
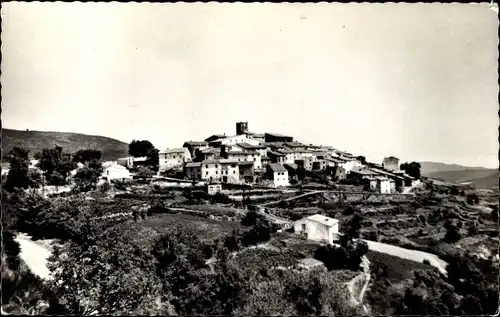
point(482, 178)
point(71, 142)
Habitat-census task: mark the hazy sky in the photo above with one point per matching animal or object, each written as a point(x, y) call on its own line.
point(414, 81)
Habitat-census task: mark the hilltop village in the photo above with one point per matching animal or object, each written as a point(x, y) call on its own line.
point(243, 224)
point(272, 160)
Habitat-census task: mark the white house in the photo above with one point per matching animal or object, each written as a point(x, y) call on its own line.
point(213, 189)
point(112, 170)
point(279, 174)
point(232, 140)
point(383, 184)
point(171, 158)
point(318, 228)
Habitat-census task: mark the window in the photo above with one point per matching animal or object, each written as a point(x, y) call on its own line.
point(206, 173)
point(215, 165)
point(254, 159)
point(234, 172)
point(174, 156)
point(303, 227)
point(216, 172)
point(206, 166)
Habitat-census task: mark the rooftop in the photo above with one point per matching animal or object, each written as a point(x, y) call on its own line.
point(245, 153)
point(292, 165)
point(228, 161)
point(176, 150)
point(210, 162)
point(193, 164)
point(247, 146)
point(278, 135)
point(195, 143)
point(245, 163)
point(327, 221)
point(277, 167)
point(275, 153)
point(363, 171)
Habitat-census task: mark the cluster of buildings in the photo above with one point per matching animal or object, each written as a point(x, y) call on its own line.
point(274, 159)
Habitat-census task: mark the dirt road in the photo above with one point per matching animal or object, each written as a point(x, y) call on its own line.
point(35, 255)
point(412, 255)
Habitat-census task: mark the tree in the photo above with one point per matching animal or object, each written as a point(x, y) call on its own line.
point(142, 148)
point(494, 214)
point(87, 155)
point(412, 169)
point(55, 165)
point(452, 234)
point(86, 178)
point(19, 169)
point(472, 199)
point(109, 274)
point(35, 178)
point(144, 173)
point(354, 225)
point(362, 159)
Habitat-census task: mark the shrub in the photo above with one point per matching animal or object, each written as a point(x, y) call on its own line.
point(452, 235)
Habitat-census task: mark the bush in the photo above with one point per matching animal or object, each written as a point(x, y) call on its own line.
point(452, 235)
point(472, 199)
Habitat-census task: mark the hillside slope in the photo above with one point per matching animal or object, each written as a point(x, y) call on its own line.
point(432, 167)
point(35, 141)
point(480, 178)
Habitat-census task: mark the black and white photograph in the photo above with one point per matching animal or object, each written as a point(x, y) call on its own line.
point(250, 159)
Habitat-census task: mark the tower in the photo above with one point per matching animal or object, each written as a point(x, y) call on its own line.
point(241, 127)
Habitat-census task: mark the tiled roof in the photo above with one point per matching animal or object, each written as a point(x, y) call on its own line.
point(247, 146)
point(210, 150)
point(229, 161)
point(292, 165)
point(195, 143)
point(275, 153)
point(277, 167)
point(264, 157)
point(278, 135)
point(294, 144)
point(245, 163)
point(210, 162)
point(176, 150)
point(362, 171)
point(193, 164)
point(243, 153)
point(327, 221)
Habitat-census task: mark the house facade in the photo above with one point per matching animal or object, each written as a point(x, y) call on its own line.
point(192, 170)
point(172, 158)
point(192, 146)
point(230, 172)
point(318, 228)
point(391, 163)
point(383, 185)
point(278, 174)
point(114, 171)
point(213, 189)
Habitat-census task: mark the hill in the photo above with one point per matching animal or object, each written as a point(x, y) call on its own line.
point(432, 167)
point(479, 178)
point(35, 141)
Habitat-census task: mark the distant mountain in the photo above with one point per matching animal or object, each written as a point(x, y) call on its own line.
point(431, 167)
point(35, 141)
point(479, 178)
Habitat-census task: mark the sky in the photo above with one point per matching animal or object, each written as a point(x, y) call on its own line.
point(416, 81)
